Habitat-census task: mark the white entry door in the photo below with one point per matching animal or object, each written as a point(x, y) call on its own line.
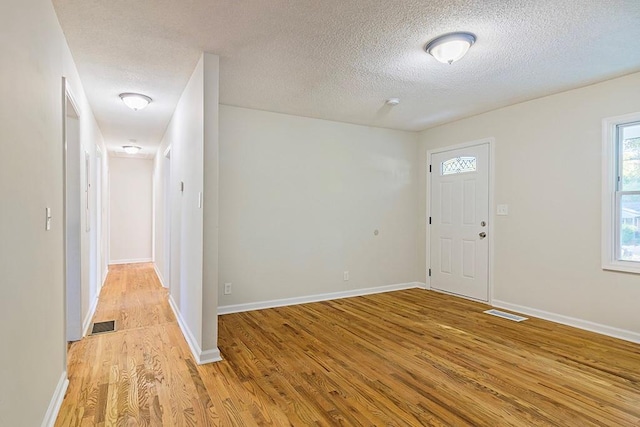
point(459, 216)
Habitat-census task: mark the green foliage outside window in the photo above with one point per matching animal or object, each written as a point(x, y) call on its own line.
point(629, 235)
point(631, 164)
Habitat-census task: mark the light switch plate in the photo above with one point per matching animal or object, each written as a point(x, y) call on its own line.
point(502, 210)
point(47, 226)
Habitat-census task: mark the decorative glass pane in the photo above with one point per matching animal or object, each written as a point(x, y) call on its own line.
point(629, 137)
point(458, 165)
point(630, 227)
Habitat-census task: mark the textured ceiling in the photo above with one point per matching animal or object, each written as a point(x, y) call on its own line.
point(339, 59)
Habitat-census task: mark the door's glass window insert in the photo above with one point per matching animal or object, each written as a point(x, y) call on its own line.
point(458, 165)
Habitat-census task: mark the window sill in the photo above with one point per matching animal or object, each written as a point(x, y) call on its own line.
point(624, 266)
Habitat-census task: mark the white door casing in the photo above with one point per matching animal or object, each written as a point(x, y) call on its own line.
point(167, 218)
point(73, 209)
point(459, 215)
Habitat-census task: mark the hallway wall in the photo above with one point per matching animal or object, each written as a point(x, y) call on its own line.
point(35, 58)
point(161, 215)
point(192, 135)
point(130, 206)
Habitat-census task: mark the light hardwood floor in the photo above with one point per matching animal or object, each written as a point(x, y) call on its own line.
point(406, 358)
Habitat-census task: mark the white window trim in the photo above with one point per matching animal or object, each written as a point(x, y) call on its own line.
point(609, 181)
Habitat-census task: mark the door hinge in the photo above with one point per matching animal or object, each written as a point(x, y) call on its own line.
point(429, 220)
point(429, 272)
point(429, 168)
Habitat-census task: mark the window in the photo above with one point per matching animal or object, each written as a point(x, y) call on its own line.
point(621, 194)
point(458, 165)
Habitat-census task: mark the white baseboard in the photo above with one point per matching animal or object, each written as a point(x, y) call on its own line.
point(571, 321)
point(209, 356)
point(56, 401)
point(104, 276)
point(155, 267)
point(238, 308)
point(200, 356)
point(89, 317)
point(129, 261)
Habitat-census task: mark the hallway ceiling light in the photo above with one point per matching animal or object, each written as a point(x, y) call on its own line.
point(135, 101)
point(131, 149)
point(448, 48)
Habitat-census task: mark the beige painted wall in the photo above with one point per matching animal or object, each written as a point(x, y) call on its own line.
point(130, 206)
point(103, 204)
point(210, 238)
point(31, 179)
point(548, 170)
point(161, 228)
point(185, 135)
point(192, 136)
point(300, 199)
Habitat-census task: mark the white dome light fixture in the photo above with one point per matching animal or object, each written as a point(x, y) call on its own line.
point(135, 101)
point(392, 102)
point(131, 149)
point(448, 48)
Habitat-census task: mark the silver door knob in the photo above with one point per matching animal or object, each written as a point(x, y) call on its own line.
point(482, 235)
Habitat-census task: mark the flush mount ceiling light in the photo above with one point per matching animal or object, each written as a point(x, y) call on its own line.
point(131, 149)
point(392, 102)
point(135, 101)
point(448, 48)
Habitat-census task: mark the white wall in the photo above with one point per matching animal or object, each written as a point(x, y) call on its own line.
point(192, 136)
point(82, 139)
point(548, 170)
point(300, 199)
point(31, 178)
point(95, 255)
point(161, 228)
point(211, 151)
point(130, 206)
point(103, 205)
point(90, 137)
point(76, 299)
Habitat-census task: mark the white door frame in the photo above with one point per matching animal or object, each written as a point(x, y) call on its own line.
point(99, 219)
point(72, 235)
point(490, 226)
point(166, 186)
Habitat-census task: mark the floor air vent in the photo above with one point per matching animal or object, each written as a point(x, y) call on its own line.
point(506, 315)
point(102, 327)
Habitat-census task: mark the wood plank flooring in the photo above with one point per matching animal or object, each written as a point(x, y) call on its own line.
point(407, 358)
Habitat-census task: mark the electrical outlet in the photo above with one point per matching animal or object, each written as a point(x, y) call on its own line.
point(227, 288)
point(345, 275)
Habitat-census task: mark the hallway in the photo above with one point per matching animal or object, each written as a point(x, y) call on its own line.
point(144, 366)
